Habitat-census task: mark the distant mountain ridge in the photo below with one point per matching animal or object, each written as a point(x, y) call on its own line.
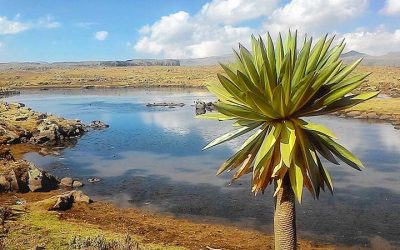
point(133, 62)
point(389, 59)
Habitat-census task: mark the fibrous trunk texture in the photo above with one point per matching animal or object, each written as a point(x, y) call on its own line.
point(285, 217)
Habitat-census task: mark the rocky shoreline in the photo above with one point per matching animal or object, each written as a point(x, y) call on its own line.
point(22, 125)
point(371, 115)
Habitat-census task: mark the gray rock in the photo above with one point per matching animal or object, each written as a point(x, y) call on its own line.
point(200, 107)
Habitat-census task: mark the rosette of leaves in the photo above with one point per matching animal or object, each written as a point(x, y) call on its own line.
point(268, 91)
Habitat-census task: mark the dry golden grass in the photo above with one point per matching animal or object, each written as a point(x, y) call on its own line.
point(109, 77)
point(386, 79)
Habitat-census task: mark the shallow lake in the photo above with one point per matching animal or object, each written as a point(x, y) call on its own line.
point(151, 158)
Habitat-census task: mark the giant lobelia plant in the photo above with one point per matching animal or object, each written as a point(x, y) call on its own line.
point(269, 91)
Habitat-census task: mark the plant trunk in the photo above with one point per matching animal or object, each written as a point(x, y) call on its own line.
point(285, 217)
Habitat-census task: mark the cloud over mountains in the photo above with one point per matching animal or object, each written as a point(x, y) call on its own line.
point(220, 24)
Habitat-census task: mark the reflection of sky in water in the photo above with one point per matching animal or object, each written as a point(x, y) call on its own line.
point(153, 155)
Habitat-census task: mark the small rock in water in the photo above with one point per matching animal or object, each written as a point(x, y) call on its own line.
point(98, 124)
point(93, 180)
point(200, 107)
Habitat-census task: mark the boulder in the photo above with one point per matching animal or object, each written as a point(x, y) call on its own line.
point(65, 201)
point(8, 182)
point(77, 184)
point(40, 180)
point(66, 182)
point(79, 196)
point(22, 176)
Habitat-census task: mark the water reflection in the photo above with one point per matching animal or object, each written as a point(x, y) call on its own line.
point(152, 158)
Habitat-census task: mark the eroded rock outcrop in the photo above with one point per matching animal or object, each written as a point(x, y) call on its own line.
point(23, 176)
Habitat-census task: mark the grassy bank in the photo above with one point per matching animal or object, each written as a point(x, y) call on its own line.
point(56, 230)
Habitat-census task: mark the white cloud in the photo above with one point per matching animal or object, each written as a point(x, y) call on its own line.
point(2, 45)
point(15, 25)
point(376, 42)
point(180, 35)
point(219, 25)
point(101, 35)
point(234, 11)
point(392, 7)
point(315, 16)
point(12, 26)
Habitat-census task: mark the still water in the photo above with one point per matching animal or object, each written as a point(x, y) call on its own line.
point(151, 158)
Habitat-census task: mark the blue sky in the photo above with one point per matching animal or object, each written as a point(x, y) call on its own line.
point(119, 30)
